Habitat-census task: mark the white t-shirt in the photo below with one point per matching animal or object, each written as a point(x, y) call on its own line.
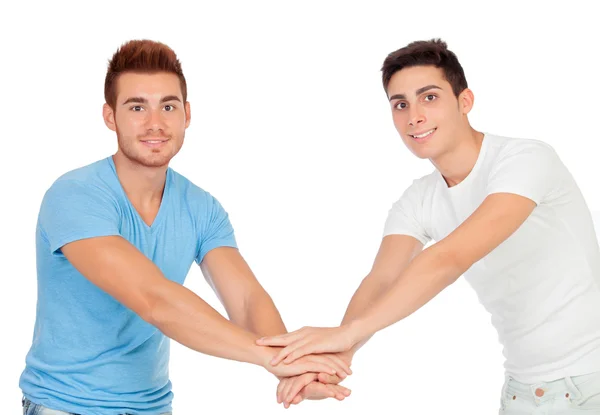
point(542, 285)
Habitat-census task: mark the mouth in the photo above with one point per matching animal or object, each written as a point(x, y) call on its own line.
point(154, 143)
point(422, 136)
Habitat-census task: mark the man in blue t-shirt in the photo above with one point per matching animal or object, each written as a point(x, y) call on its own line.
point(115, 240)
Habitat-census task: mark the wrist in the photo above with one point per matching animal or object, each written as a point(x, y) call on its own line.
point(261, 355)
point(357, 331)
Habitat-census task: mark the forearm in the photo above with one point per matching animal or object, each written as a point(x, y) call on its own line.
point(369, 291)
point(122, 271)
point(425, 277)
point(183, 316)
point(261, 316)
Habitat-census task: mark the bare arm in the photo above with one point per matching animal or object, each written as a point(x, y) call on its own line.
point(440, 265)
point(245, 300)
point(395, 253)
point(247, 303)
point(118, 268)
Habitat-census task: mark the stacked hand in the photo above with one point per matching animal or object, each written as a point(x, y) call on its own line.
point(312, 386)
point(312, 350)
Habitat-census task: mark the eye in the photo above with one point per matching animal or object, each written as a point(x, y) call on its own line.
point(430, 97)
point(169, 107)
point(400, 105)
point(136, 108)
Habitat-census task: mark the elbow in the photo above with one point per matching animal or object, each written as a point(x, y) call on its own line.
point(454, 265)
point(458, 267)
point(151, 308)
point(149, 314)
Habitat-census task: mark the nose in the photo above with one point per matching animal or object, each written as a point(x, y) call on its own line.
point(155, 121)
point(415, 116)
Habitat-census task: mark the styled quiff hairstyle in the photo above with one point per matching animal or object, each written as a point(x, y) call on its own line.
point(423, 53)
point(141, 56)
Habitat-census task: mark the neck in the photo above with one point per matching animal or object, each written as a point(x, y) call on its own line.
point(142, 184)
point(456, 164)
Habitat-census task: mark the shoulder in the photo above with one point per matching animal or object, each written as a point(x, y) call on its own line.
point(527, 167)
point(505, 147)
point(424, 185)
point(89, 172)
point(413, 198)
point(94, 185)
point(194, 195)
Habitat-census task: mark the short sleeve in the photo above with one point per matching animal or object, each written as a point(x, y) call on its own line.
point(72, 210)
point(216, 231)
point(405, 216)
point(528, 168)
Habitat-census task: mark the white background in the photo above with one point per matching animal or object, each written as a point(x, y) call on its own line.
point(291, 131)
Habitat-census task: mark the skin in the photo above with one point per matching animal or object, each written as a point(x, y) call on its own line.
point(404, 276)
point(150, 107)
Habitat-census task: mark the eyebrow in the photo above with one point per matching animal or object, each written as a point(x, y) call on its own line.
point(417, 92)
point(140, 100)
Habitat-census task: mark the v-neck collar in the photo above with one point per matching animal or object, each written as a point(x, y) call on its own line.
point(161, 210)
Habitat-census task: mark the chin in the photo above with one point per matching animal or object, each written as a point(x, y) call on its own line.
point(158, 160)
point(422, 152)
point(422, 155)
point(153, 160)
point(155, 163)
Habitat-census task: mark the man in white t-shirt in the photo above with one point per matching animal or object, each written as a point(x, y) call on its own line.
point(505, 213)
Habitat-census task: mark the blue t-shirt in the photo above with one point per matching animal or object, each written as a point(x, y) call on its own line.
point(90, 354)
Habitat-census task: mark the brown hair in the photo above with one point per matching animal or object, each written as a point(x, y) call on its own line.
point(426, 52)
point(141, 56)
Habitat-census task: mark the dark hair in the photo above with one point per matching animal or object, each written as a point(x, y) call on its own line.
point(141, 56)
point(426, 52)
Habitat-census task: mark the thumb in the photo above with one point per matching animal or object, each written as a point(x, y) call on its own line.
point(326, 378)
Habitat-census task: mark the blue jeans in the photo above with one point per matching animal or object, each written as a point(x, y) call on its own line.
point(30, 408)
point(570, 395)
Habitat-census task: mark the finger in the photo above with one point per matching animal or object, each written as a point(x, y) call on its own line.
point(283, 353)
point(316, 390)
point(286, 392)
point(280, 338)
point(340, 392)
point(325, 378)
point(337, 393)
point(314, 367)
point(274, 341)
point(298, 350)
point(330, 362)
point(280, 388)
point(297, 399)
point(298, 384)
point(339, 389)
point(345, 366)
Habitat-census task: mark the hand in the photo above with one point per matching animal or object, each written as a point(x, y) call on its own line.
point(292, 391)
point(309, 341)
point(325, 363)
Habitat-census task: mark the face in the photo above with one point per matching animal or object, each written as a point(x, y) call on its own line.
point(150, 117)
point(426, 113)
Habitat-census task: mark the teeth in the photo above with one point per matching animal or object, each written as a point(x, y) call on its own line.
point(424, 134)
point(154, 141)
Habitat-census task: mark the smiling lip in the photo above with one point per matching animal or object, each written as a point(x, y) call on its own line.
point(154, 143)
point(423, 135)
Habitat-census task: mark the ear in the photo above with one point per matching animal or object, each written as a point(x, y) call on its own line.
point(466, 99)
point(188, 114)
point(109, 117)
